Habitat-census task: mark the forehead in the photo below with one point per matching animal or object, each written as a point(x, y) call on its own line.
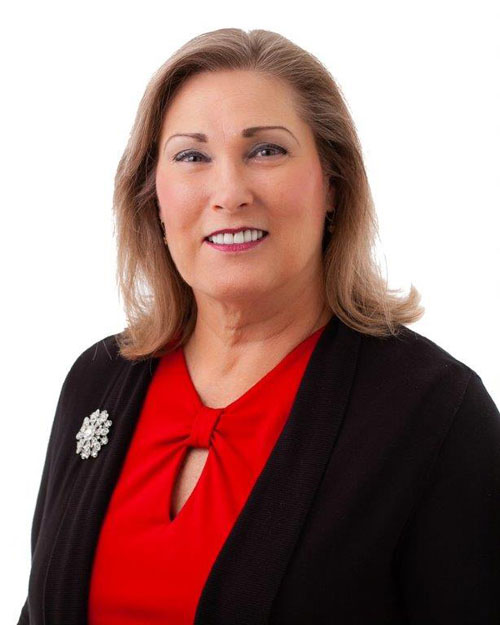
point(230, 100)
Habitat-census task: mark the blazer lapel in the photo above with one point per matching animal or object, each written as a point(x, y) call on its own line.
point(247, 573)
point(68, 574)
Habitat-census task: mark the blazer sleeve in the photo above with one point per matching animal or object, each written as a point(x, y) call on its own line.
point(75, 370)
point(448, 557)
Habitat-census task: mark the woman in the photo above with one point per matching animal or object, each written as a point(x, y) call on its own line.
point(266, 442)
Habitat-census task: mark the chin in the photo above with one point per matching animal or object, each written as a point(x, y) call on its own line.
point(230, 291)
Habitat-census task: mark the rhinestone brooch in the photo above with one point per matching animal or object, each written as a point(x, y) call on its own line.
point(93, 434)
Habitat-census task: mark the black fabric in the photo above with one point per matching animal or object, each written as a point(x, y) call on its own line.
point(379, 504)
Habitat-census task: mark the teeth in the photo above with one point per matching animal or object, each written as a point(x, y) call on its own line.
point(228, 238)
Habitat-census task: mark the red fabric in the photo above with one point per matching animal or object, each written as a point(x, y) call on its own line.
point(147, 567)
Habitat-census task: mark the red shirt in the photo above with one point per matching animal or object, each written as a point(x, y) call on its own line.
point(147, 567)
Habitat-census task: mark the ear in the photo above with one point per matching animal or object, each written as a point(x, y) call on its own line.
point(330, 194)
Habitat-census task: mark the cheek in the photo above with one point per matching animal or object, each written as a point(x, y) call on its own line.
point(300, 201)
point(176, 205)
point(312, 184)
point(299, 222)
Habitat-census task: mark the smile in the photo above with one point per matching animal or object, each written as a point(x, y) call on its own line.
point(237, 247)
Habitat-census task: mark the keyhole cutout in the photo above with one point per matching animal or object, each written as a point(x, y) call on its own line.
point(187, 478)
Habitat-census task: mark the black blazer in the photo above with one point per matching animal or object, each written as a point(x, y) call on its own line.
point(379, 504)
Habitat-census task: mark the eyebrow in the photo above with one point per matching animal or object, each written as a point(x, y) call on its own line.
point(246, 132)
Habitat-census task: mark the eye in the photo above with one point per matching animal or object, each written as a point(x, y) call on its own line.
point(270, 146)
point(181, 156)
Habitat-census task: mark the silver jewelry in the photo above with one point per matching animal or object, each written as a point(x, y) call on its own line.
point(93, 434)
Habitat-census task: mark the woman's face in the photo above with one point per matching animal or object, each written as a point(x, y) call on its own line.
point(228, 177)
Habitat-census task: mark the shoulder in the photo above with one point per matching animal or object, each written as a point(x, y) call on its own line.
point(413, 346)
point(89, 379)
point(412, 354)
point(409, 369)
point(94, 367)
point(101, 353)
point(418, 389)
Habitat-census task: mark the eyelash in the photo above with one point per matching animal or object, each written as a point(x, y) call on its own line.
point(178, 157)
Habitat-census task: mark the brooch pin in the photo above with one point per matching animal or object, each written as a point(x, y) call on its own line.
point(92, 434)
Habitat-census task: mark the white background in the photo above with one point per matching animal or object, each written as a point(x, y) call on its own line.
point(422, 83)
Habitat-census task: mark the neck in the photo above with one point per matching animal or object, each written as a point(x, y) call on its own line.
point(230, 350)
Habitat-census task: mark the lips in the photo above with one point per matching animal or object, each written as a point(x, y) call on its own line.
point(237, 247)
point(234, 231)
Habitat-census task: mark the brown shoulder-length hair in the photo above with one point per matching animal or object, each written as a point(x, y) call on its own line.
point(160, 306)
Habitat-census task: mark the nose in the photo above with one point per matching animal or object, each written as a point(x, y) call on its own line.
point(230, 185)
